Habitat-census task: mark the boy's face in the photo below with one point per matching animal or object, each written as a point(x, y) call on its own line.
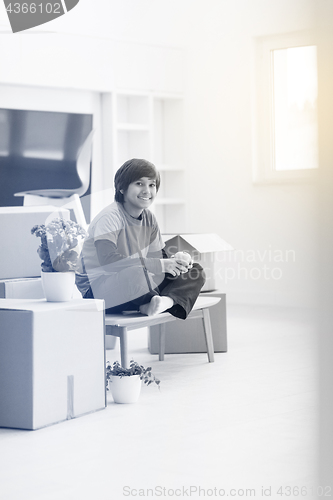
point(139, 195)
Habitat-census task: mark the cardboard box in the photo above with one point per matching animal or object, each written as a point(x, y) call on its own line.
point(202, 248)
point(188, 336)
point(52, 361)
point(26, 288)
point(21, 288)
point(18, 249)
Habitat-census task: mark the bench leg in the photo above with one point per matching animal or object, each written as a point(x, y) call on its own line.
point(162, 342)
point(208, 334)
point(123, 347)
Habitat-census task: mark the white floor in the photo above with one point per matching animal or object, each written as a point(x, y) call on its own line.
point(245, 422)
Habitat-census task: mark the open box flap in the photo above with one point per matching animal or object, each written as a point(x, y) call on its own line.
point(202, 243)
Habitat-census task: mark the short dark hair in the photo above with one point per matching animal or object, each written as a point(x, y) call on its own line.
point(131, 171)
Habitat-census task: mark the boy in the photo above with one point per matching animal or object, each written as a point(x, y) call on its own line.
point(123, 261)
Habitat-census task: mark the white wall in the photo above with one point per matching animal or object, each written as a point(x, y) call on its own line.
point(217, 36)
point(222, 197)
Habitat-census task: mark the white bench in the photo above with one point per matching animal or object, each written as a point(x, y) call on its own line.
point(121, 324)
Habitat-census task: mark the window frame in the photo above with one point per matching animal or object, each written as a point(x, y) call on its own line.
point(262, 109)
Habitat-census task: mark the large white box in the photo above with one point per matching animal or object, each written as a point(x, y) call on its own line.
point(18, 249)
point(52, 361)
point(202, 248)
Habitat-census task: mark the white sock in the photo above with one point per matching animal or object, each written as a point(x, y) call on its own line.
point(157, 305)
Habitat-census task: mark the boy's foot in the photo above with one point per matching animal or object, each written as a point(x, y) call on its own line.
point(157, 305)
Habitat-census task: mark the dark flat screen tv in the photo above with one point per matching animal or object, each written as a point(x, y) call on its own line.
point(38, 150)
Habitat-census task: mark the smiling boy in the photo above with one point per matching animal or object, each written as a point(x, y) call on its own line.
point(123, 261)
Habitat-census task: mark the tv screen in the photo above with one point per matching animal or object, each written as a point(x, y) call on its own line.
point(38, 150)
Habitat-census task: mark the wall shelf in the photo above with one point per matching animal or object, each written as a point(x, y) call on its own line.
point(133, 127)
point(150, 126)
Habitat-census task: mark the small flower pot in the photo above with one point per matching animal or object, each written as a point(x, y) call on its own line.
point(58, 287)
point(125, 389)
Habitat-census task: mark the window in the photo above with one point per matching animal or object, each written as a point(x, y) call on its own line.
point(285, 110)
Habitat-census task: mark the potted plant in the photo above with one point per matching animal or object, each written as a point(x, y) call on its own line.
point(125, 383)
point(61, 244)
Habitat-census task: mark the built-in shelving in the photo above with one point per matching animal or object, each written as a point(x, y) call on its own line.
point(150, 126)
point(133, 127)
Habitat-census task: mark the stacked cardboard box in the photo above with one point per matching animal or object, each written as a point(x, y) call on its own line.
point(18, 249)
point(52, 361)
point(203, 249)
point(188, 336)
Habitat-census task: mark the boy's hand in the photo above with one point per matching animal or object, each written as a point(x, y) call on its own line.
point(173, 267)
point(184, 258)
